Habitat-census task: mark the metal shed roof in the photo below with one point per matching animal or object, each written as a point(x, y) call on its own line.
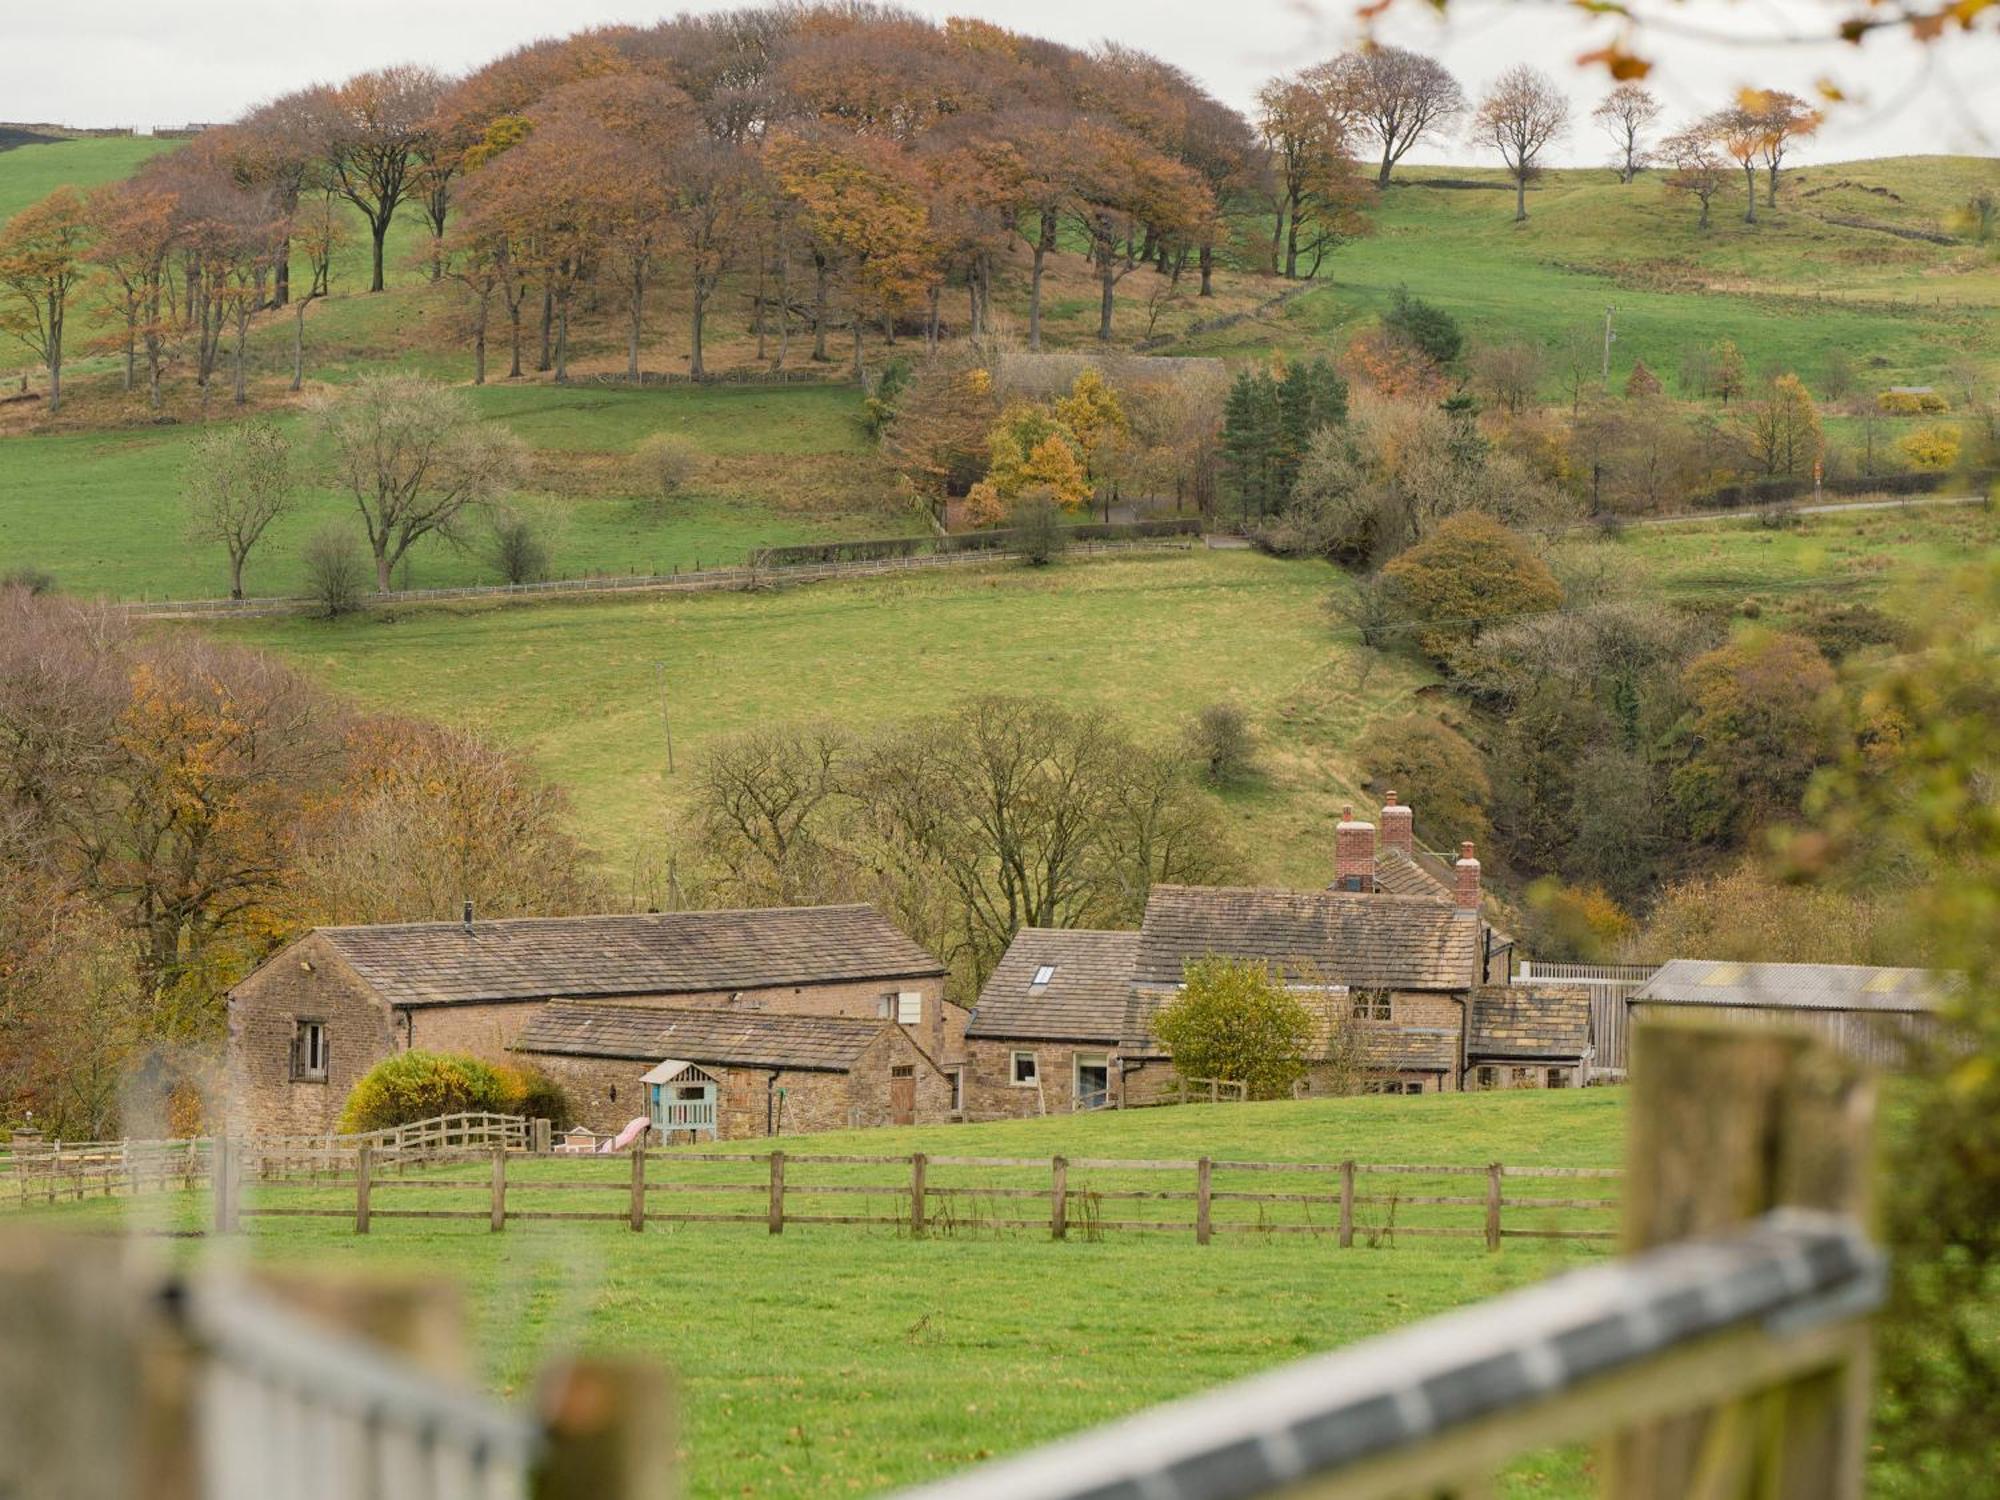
point(1697, 981)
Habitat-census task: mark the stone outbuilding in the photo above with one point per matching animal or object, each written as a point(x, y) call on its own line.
point(731, 1075)
point(1534, 1036)
point(1044, 1036)
point(312, 1019)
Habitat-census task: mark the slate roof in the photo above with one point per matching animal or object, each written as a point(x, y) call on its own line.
point(1368, 941)
point(662, 953)
point(756, 1039)
point(1529, 1021)
point(1693, 981)
point(1399, 874)
point(1392, 1047)
point(1084, 999)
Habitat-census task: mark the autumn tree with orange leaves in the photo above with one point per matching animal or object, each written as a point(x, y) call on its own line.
point(42, 251)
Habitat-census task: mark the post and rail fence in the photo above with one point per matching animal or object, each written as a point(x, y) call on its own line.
point(1726, 1353)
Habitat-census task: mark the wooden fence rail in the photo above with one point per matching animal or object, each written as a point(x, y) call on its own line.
point(1375, 1203)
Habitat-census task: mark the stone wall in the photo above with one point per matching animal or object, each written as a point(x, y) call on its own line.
point(308, 981)
point(607, 1092)
point(991, 1092)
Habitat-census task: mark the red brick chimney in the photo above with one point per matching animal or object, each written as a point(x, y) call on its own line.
point(1398, 825)
point(1353, 854)
point(1468, 878)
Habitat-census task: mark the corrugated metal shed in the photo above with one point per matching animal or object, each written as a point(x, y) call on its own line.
point(1695, 981)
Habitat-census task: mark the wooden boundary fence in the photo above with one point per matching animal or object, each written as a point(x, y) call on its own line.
point(1374, 1203)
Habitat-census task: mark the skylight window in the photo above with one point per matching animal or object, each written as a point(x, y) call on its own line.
point(1042, 976)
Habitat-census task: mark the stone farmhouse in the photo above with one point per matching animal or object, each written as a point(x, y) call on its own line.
point(816, 1006)
point(1394, 957)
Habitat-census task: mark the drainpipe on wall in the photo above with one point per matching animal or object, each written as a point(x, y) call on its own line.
point(1464, 1027)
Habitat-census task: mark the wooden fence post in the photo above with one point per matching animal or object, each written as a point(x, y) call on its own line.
point(609, 1425)
point(1202, 1168)
point(1058, 1197)
point(543, 1137)
point(917, 1160)
point(1347, 1204)
point(226, 1184)
point(1728, 1122)
point(364, 1169)
point(1493, 1174)
point(777, 1192)
point(499, 1189)
point(639, 1184)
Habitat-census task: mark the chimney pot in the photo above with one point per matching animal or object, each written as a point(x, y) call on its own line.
point(1468, 878)
point(467, 917)
point(1353, 854)
point(1398, 825)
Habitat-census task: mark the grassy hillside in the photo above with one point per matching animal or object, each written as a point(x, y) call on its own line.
point(1155, 639)
point(102, 510)
point(1158, 638)
point(33, 171)
point(1786, 289)
point(850, 1360)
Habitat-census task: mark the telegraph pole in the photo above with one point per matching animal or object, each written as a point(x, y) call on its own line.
point(1609, 337)
point(666, 723)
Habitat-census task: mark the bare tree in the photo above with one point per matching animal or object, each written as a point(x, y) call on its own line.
point(416, 458)
point(238, 481)
point(1624, 115)
point(1519, 116)
point(1740, 133)
point(371, 129)
point(1697, 168)
point(1786, 118)
point(1398, 97)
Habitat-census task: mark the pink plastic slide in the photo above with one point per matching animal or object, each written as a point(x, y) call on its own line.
point(635, 1127)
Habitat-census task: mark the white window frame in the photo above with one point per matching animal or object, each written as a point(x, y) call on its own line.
point(1034, 1078)
point(957, 1077)
point(309, 1036)
point(909, 1008)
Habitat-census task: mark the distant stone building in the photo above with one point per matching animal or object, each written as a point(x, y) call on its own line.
point(1393, 958)
point(310, 1021)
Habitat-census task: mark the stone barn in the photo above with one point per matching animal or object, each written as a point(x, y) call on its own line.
point(306, 1024)
point(732, 1075)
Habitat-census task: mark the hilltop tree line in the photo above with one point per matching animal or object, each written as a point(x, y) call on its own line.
point(851, 168)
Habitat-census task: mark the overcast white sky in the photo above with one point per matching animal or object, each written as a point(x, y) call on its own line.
point(145, 64)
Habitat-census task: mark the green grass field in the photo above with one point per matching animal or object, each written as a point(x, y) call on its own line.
point(1157, 637)
point(1787, 290)
point(102, 511)
point(34, 171)
point(839, 1359)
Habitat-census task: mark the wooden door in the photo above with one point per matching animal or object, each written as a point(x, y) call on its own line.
point(903, 1096)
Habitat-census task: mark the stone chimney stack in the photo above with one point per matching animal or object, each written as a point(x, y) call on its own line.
point(1353, 854)
point(1398, 825)
point(1468, 878)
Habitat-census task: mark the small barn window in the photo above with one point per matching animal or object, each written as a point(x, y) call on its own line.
point(1489, 1078)
point(1025, 1074)
point(1556, 1078)
point(310, 1053)
point(909, 1008)
point(1371, 1005)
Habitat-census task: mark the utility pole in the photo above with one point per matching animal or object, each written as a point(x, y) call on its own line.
point(666, 723)
point(1609, 338)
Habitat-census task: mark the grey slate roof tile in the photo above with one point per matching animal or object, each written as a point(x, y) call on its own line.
point(1529, 1021)
point(1084, 999)
point(757, 1039)
point(1368, 941)
point(660, 953)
